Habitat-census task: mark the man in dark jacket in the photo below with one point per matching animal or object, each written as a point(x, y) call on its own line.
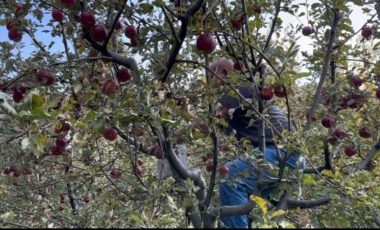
point(246, 125)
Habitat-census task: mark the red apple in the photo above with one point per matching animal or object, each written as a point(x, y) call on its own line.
point(328, 122)
point(11, 24)
point(68, 3)
point(17, 174)
point(45, 77)
point(237, 20)
point(378, 93)
point(110, 134)
point(223, 170)
point(349, 151)
point(366, 32)
point(7, 171)
point(209, 166)
point(55, 151)
point(119, 25)
point(18, 8)
point(364, 133)
point(15, 35)
point(307, 30)
point(333, 141)
point(130, 31)
point(62, 199)
point(61, 141)
point(98, 33)
point(13, 169)
point(87, 19)
point(256, 9)
point(20, 88)
point(110, 87)
point(266, 93)
point(206, 43)
point(279, 91)
point(17, 97)
point(340, 133)
point(61, 208)
point(65, 126)
point(57, 15)
point(356, 81)
point(86, 199)
point(124, 75)
point(116, 174)
point(238, 65)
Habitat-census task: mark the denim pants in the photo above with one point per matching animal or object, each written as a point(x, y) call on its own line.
point(244, 177)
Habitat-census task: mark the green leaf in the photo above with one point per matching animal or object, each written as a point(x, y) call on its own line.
point(147, 8)
point(136, 219)
point(308, 180)
point(7, 108)
point(166, 221)
point(277, 214)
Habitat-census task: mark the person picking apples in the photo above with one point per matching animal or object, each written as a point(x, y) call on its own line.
point(245, 125)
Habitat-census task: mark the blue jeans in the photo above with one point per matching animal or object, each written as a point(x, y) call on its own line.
point(243, 177)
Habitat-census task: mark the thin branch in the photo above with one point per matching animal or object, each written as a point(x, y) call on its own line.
point(110, 32)
point(324, 70)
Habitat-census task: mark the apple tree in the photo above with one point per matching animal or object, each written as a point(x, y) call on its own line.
point(95, 94)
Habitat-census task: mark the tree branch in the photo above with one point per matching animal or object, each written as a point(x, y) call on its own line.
point(324, 70)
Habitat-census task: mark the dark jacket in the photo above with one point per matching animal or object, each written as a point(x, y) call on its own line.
point(247, 124)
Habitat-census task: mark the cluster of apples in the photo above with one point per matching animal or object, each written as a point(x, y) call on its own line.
point(61, 142)
point(13, 25)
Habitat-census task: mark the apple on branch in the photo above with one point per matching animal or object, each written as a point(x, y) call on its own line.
point(206, 43)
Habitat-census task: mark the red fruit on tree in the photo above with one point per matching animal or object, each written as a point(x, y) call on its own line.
point(364, 133)
point(237, 21)
point(366, 32)
point(206, 43)
point(57, 15)
point(119, 25)
point(378, 93)
point(116, 174)
point(7, 171)
point(110, 134)
point(209, 166)
point(17, 97)
point(307, 30)
point(68, 3)
point(18, 8)
point(356, 81)
point(333, 141)
point(340, 133)
point(45, 77)
point(110, 87)
point(20, 88)
point(256, 9)
point(279, 91)
point(12, 24)
point(130, 31)
point(328, 122)
point(17, 173)
point(238, 65)
point(87, 19)
point(55, 151)
point(15, 35)
point(61, 141)
point(266, 93)
point(98, 33)
point(349, 151)
point(65, 126)
point(134, 41)
point(61, 208)
point(124, 75)
point(86, 199)
point(223, 170)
